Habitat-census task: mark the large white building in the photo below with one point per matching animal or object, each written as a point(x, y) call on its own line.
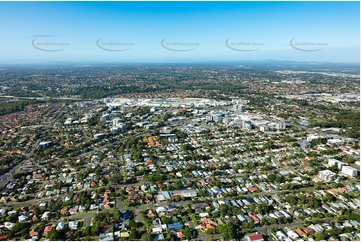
point(327, 175)
point(349, 171)
point(117, 121)
point(332, 162)
point(263, 128)
point(239, 107)
point(281, 125)
point(247, 125)
point(209, 118)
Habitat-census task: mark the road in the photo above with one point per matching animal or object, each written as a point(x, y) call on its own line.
point(87, 217)
point(264, 229)
point(208, 237)
point(120, 205)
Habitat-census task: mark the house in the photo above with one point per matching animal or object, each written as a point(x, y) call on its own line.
point(173, 139)
point(126, 217)
point(253, 189)
point(161, 210)
point(60, 225)
point(73, 225)
point(64, 212)
point(33, 233)
point(2, 211)
point(93, 207)
point(34, 218)
point(159, 237)
point(254, 237)
point(208, 223)
point(48, 229)
point(124, 235)
point(254, 217)
point(347, 237)
point(151, 214)
point(4, 237)
point(300, 232)
point(180, 234)
point(23, 218)
point(280, 236)
point(45, 144)
point(292, 235)
point(157, 229)
point(82, 208)
point(106, 237)
point(308, 230)
point(45, 216)
point(9, 225)
point(73, 210)
point(175, 226)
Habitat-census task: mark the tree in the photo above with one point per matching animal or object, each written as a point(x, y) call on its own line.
point(223, 208)
point(291, 199)
point(227, 231)
point(202, 193)
point(53, 235)
point(37, 211)
point(166, 220)
point(133, 234)
point(133, 224)
point(95, 229)
point(88, 231)
point(319, 236)
point(117, 215)
point(147, 237)
point(187, 233)
point(210, 231)
point(335, 232)
point(169, 236)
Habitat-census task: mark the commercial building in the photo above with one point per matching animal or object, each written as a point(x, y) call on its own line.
point(327, 175)
point(332, 162)
point(349, 171)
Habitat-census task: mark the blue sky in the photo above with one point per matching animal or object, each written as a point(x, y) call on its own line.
point(179, 31)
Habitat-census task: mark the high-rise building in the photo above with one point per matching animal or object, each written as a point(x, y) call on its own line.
point(239, 107)
point(209, 118)
point(281, 125)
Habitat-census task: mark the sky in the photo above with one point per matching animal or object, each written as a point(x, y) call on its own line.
point(32, 32)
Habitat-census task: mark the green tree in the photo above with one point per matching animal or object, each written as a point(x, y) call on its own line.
point(95, 229)
point(147, 237)
point(133, 234)
point(291, 199)
point(319, 236)
point(227, 231)
point(88, 231)
point(166, 220)
point(53, 235)
point(116, 215)
point(132, 223)
point(187, 233)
